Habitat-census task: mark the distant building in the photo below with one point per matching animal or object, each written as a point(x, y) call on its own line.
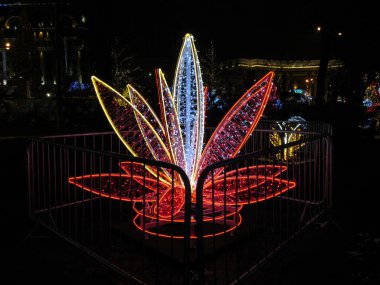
point(28, 47)
point(291, 76)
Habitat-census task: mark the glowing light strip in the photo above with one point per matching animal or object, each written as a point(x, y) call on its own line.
point(124, 105)
point(164, 207)
point(253, 171)
point(182, 237)
point(243, 185)
point(135, 97)
point(139, 171)
point(245, 201)
point(179, 97)
point(95, 82)
point(208, 215)
point(189, 98)
point(116, 177)
point(200, 111)
point(143, 119)
point(170, 118)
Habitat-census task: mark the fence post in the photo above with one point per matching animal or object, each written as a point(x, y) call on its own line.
point(187, 228)
point(198, 213)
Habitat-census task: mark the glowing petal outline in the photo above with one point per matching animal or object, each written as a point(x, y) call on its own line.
point(124, 105)
point(79, 181)
point(145, 120)
point(253, 171)
point(230, 200)
point(170, 118)
point(191, 117)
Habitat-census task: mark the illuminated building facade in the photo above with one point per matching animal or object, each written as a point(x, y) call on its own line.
point(29, 47)
point(292, 76)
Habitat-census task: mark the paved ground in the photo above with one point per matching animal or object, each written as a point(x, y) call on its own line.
point(344, 247)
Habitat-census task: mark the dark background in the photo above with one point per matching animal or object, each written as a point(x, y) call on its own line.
point(240, 29)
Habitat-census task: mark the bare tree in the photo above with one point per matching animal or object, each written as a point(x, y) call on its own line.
point(22, 53)
point(124, 68)
point(212, 79)
point(323, 66)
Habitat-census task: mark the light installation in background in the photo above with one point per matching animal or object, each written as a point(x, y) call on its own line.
point(274, 98)
point(78, 86)
point(158, 196)
point(371, 98)
point(288, 132)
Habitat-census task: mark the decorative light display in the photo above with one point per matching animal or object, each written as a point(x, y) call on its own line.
point(78, 86)
point(372, 96)
point(294, 125)
point(274, 98)
point(303, 96)
point(158, 195)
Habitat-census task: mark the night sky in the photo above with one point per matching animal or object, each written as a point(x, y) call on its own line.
point(239, 29)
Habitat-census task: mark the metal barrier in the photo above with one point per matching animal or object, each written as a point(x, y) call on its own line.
point(87, 197)
point(88, 191)
point(267, 198)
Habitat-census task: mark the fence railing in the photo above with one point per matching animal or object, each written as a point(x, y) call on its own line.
point(267, 198)
point(140, 217)
point(93, 199)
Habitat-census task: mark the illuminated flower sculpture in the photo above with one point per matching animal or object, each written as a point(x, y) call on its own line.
point(177, 138)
